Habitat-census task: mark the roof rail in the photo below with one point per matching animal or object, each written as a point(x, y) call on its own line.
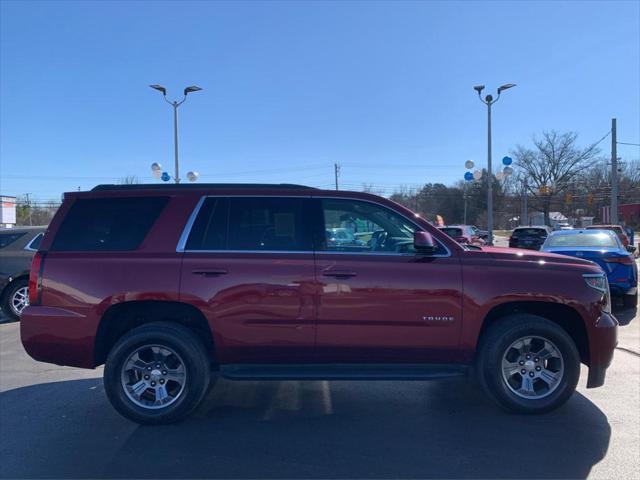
point(201, 186)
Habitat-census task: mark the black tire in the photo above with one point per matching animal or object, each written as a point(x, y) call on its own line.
point(496, 341)
point(180, 340)
point(12, 288)
point(630, 301)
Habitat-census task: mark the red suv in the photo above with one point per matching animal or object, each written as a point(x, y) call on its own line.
point(171, 286)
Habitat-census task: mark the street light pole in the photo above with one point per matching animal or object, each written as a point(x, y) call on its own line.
point(488, 101)
point(175, 141)
point(175, 104)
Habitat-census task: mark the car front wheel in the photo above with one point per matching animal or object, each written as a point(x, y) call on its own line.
point(528, 364)
point(157, 373)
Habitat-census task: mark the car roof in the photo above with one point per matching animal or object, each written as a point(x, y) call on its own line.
point(24, 229)
point(577, 231)
point(201, 186)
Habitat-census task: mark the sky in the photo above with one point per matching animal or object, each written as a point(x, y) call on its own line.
point(289, 88)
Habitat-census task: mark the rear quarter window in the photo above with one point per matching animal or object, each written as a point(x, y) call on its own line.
point(107, 224)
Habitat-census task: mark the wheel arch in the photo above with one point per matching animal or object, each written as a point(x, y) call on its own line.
point(561, 314)
point(123, 317)
point(11, 280)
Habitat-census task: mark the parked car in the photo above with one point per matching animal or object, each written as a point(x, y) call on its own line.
point(619, 231)
point(563, 226)
point(529, 237)
point(17, 247)
point(171, 286)
point(483, 234)
point(463, 234)
point(604, 248)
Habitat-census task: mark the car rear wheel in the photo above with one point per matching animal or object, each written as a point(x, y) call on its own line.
point(157, 373)
point(16, 298)
point(528, 364)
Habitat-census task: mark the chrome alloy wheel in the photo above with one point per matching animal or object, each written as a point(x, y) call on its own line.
point(532, 367)
point(154, 376)
point(20, 300)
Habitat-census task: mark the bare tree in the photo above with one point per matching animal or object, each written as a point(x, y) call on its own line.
point(552, 166)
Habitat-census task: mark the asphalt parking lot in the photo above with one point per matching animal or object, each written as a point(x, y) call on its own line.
point(56, 422)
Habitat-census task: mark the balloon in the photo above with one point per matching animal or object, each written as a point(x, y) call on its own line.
point(156, 173)
point(192, 176)
point(165, 177)
point(468, 176)
point(507, 161)
point(507, 171)
point(477, 174)
point(469, 164)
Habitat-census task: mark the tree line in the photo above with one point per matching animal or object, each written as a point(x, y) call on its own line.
point(554, 174)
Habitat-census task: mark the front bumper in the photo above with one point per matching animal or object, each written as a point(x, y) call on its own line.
point(602, 344)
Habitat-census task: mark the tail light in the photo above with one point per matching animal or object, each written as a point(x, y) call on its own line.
point(35, 278)
point(623, 260)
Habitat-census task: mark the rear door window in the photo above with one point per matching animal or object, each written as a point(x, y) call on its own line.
point(108, 224)
point(252, 224)
point(269, 223)
point(209, 231)
point(8, 238)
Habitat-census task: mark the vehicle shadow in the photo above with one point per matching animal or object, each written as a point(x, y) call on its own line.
point(311, 429)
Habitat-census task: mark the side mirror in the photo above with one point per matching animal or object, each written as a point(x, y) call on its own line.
point(423, 243)
point(631, 248)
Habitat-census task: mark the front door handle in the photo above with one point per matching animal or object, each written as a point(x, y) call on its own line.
point(339, 273)
point(213, 272)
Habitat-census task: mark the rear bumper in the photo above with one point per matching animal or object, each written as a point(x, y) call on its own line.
point(59, 336)
point(623, 289)
point(602, 344)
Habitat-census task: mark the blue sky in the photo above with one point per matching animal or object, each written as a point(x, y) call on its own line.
point(384, 89)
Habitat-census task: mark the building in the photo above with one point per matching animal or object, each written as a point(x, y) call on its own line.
point(630, 214)
point(537, 218)
point(7, 211)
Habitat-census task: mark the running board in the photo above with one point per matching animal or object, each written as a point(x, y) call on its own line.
point(341, 371)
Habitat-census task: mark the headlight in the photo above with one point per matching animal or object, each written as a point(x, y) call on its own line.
point(598, 281)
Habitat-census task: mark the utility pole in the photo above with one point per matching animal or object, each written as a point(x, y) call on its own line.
point(28, 206)
point(525, 209)
point(336, 169)
point(614, 173)
point(464, 195)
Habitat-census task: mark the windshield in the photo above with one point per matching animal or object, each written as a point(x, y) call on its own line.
point(603, 240)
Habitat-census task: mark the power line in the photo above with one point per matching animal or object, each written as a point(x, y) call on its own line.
point(627, 143)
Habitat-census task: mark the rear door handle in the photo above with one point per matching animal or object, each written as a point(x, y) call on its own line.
point(339, 273)
point(213, 272)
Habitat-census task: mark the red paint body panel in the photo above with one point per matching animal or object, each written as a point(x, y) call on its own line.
point(281, 307)
point(261, 310)
point(400, 308)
